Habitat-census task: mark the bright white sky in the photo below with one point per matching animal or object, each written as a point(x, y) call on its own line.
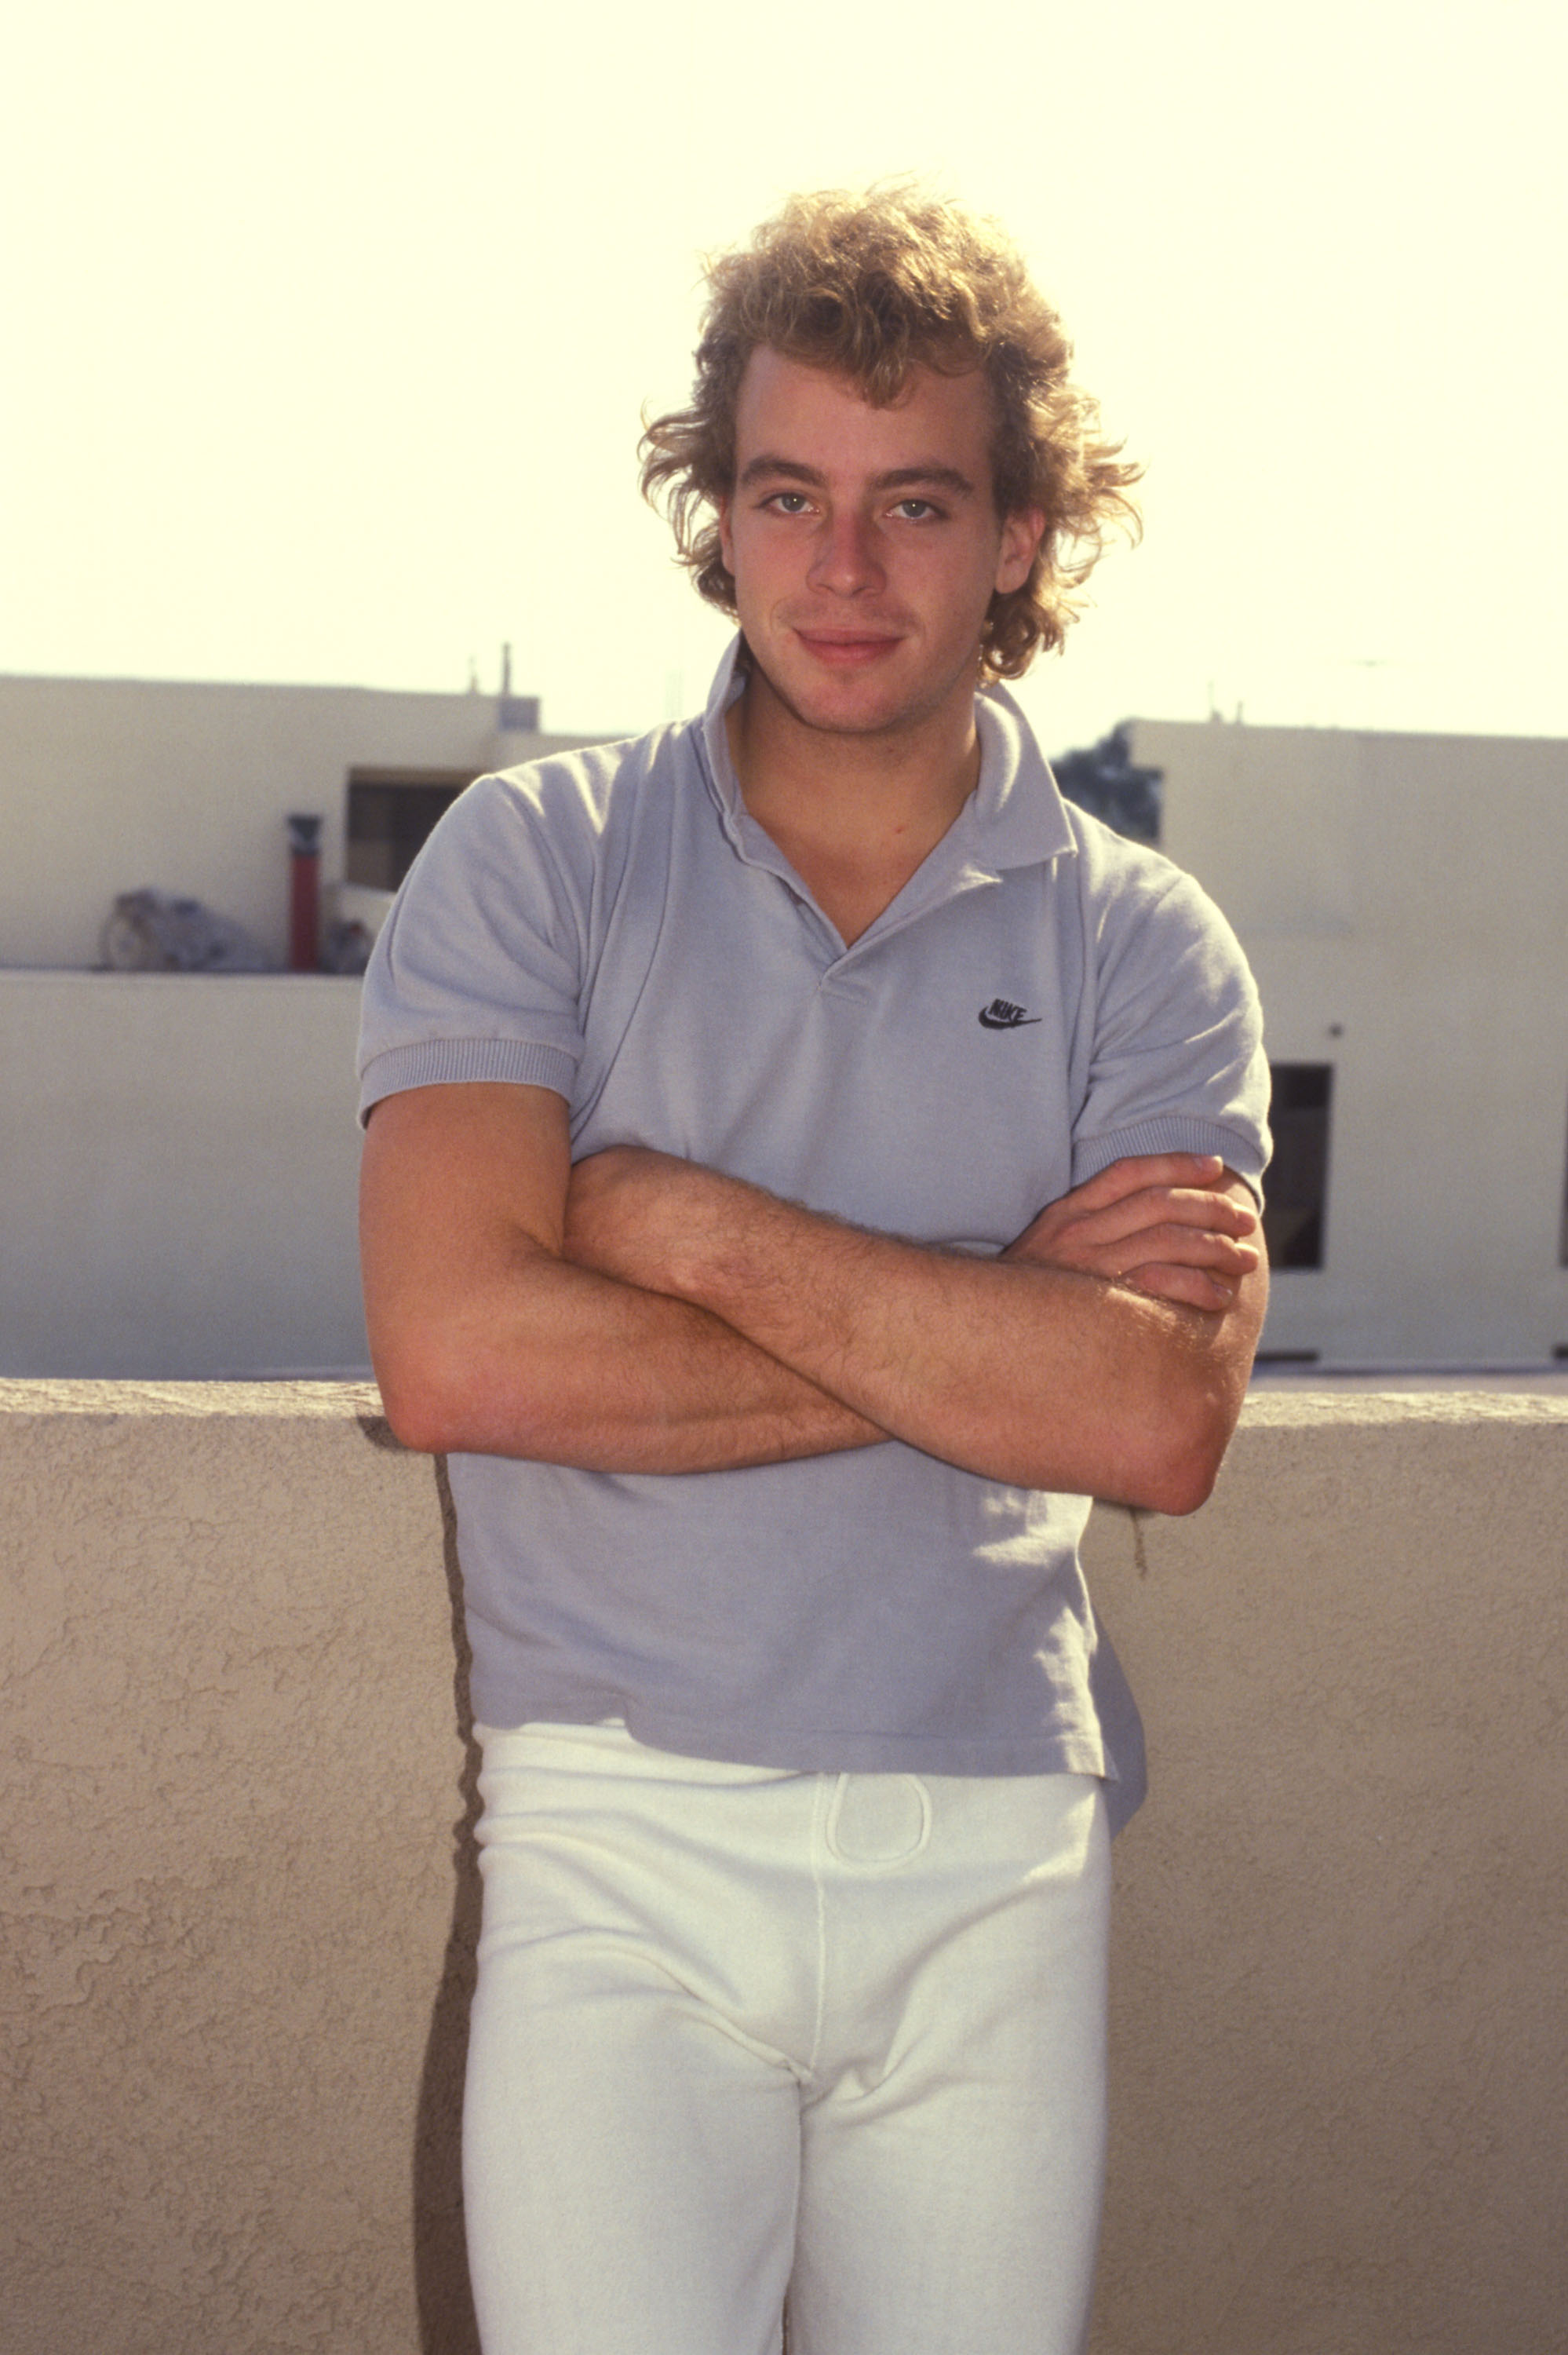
point(330, 324)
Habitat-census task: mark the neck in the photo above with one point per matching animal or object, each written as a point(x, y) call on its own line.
point(855, 816)
point(842, 788)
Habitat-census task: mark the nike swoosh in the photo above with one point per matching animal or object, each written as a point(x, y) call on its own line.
point(1009, 1022)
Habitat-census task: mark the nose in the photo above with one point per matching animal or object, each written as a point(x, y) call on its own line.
point(845, 561)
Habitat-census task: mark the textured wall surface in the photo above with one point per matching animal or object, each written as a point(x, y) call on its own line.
point(234, 1776)
point(237, 1897)
point(1339, 2106)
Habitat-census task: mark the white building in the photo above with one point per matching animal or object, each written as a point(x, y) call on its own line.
point(111, 784)
point(178, 1155)
point(1404, 900)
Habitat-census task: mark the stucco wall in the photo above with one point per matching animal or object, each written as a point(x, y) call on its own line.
point(1401, 900)
point(237, 1895)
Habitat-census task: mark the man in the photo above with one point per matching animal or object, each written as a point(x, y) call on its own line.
point(808, 1163)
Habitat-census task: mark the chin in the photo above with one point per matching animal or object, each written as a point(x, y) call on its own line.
point(848, 701)
point(847, 713)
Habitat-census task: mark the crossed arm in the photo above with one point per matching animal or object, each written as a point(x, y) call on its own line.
point(643, 1314)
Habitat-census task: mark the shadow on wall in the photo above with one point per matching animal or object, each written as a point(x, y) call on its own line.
point(447, 2324)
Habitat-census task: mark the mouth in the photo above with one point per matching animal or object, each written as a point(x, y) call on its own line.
point(847, 650)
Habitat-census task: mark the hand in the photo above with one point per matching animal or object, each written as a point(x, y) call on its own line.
point(1158, 1223)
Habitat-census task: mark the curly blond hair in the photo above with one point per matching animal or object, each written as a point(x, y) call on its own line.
point(871, 286)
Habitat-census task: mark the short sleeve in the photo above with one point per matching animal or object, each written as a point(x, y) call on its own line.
point(477, 973)
point(1175, 1061)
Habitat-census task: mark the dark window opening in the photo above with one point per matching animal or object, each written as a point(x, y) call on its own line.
point(390, 813)
point(1296, 1185)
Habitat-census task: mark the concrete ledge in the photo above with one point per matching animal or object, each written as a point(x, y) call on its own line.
point(239, 1896)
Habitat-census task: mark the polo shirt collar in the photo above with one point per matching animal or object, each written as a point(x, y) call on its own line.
point(1017, 808)
point(1015, 816)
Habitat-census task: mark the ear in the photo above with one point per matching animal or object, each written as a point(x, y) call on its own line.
point(1022, 532)
point(727, 537)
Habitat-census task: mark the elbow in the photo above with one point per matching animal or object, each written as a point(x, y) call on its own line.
point(1179, 1487)
point(419, 1416)
point(439, 1402)
point(1179, 1465)
point(415, 1431)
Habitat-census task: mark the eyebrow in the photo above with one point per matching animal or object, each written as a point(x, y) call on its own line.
point(898, 478)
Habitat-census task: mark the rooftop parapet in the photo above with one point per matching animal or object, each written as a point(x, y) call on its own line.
point(240, 1898)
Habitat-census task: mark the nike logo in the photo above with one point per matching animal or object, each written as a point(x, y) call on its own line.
point(1002, 1014)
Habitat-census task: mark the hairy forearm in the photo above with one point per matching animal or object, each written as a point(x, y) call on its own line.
point(1039, 1375)
point(635, 1312)
point(485, 1339)
point(561, 1364)
point(1036, 1376)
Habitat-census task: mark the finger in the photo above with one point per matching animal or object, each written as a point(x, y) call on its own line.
point(1108, 1244)
point(1228, 1267)
point(1137, 1172)
point(1189, 1247)
point(1158, 1206)
point(1079, 1218)
point(1238, 1213)
point(1188, 1287)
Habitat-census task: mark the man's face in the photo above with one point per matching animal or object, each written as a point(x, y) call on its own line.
point(864, 543)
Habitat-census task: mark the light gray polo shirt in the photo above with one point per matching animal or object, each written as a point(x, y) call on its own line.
point(1042, 998)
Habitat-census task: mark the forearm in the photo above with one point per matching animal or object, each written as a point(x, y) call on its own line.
point(486, 1340)
point(564, 1366)
point(1040, 1376)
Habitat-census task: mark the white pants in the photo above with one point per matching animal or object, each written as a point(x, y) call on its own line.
point(743, 2035)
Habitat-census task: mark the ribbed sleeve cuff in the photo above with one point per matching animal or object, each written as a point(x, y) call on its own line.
point(443, 1062)
point(1171, 1134)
